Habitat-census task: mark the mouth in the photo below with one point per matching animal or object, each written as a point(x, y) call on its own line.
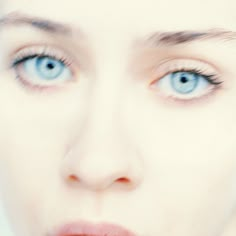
point(83, 228)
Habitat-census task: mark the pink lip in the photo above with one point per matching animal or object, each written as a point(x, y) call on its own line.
point(83, 228)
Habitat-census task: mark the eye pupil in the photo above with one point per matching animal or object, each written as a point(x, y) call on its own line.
point(50, 66)
point(183, 79)
point(42, 68)
point(184, 82)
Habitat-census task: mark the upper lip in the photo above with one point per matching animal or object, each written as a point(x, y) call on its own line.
point(83, 228)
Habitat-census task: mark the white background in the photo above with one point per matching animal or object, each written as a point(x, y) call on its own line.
point(5, 229)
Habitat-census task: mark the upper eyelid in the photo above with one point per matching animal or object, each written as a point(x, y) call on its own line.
point(79, 55)
point(148, 60)
point(41, 49)
point(78, 47)
point(170, 65)
point(46, 50)
point(51, 49)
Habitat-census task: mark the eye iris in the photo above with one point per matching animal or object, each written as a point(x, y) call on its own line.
point(48, 68)
point(184, 82)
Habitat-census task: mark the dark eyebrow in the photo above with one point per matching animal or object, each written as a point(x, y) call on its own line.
point(160, 38)
point(187, 36)
point(16, 18)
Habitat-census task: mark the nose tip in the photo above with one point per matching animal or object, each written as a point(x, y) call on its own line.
point(96, 165)
point(100, 172)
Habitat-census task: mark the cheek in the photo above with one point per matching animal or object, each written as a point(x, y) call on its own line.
point(189, 157)
point(185, 149)
point(33, 138)
point(32, 147)
point(195, 135)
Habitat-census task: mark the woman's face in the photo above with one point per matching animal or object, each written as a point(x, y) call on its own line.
point(120, 112)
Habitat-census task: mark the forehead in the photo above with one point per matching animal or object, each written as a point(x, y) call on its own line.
point(128, 17)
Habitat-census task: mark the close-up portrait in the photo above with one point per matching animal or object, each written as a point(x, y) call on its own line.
point(117, 118)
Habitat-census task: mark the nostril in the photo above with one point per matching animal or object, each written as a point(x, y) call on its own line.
point(123, 180)
point(73, 178)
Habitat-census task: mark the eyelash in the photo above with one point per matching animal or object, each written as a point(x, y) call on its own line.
point(45, 51)
point(212, 78)
point(40, 51)
point(33, 52)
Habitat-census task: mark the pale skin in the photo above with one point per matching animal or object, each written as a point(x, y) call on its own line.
point(104, 145)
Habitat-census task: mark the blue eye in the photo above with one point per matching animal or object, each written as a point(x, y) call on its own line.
point(45, 67)
point(43, 70)
point(184, 82)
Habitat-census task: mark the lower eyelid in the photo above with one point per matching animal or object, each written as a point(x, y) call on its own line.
point(39, 86)
point(31, 88)
point(198, 100)
point(174, 102)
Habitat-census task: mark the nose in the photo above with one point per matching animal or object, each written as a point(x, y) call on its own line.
point(102, 156)
point(103, 167)
point(102, 159)
point(101, 176)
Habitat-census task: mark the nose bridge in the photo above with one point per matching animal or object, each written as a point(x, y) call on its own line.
point(103, 113)
point(100, 155)
point(101, 137)
point(102, 119)
point(108, 83)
